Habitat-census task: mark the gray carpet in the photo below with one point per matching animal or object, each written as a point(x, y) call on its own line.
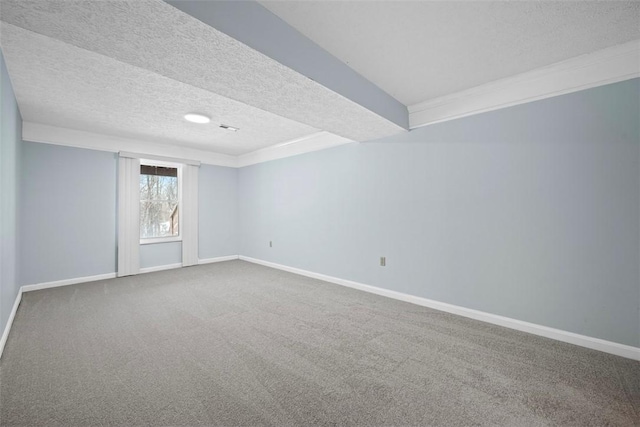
point(240, 344)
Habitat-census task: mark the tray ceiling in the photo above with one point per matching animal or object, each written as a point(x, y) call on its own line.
point(134, 68)
point(420, 50)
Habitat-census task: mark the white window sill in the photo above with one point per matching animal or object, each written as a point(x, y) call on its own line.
point(154, 240)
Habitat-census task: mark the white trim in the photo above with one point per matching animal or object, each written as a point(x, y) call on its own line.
point(532, 328)
point(306, 144)
point(87, 279)
point(179, 264)
point(7, 328)
point(47, 134)
point(154, 240)
point(614, 64)
point(158, 161)
point(66, 282)
point(147, 159)
point(131, 148)
point(160, 268)
point(602, 67)
point(218, 259)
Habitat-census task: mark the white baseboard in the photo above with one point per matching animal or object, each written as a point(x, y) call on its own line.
point(57, 283)
point(218, 259)
point(179, 265)
point(77, 280)
point(532, 328)
point(160, 268)
point(74, 281)
point(7, 328)
point(45, 285)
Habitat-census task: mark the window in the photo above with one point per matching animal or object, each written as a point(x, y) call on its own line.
point(159, 203)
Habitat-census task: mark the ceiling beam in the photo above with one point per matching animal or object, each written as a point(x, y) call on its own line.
point(254, 25)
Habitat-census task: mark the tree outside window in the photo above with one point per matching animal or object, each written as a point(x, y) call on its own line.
point(159, 213)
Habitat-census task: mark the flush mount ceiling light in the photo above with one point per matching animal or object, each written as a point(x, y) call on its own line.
point(197, 118)
point(231, 128)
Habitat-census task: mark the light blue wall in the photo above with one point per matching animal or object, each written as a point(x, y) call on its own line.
point(10, 155)
point(68, 213)
point(160, 254)
point(531, 212)
point(217, 211)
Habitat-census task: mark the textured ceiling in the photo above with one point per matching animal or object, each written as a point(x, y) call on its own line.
point(165, 63)
point(420, 50)
point(62, 85)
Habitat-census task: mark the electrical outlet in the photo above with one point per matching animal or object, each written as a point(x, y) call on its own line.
point(383, 261)
point(270, 244)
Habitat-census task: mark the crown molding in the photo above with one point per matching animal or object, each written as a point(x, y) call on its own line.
point(603, 67)
point(307, 144)
point(47, 134)
point(611, 65)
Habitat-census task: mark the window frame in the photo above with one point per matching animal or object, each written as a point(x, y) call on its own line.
point(166, 239)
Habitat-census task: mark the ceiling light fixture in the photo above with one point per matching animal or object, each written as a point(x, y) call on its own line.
point(197, 118)
point(231, 128)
